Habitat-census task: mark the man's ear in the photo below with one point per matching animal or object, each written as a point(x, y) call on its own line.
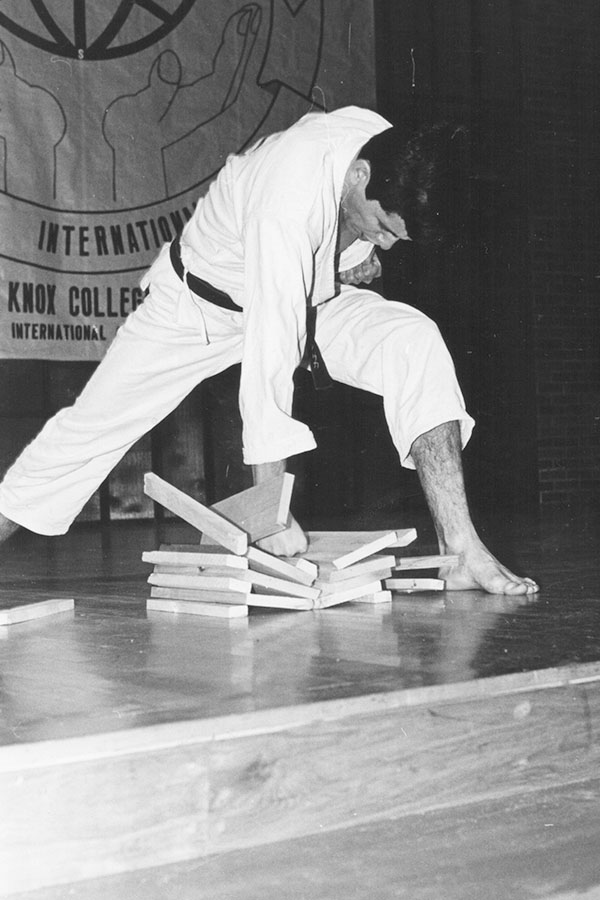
point(360, 172)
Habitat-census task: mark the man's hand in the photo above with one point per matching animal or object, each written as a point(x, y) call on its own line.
point(365, 273)
point(292, 540)
point(285, 543)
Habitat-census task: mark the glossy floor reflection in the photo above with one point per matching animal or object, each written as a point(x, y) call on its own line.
point(110, 665)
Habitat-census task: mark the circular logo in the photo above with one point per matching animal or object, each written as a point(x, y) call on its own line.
point(157, 128)
point(92, 31)
point(103, 161)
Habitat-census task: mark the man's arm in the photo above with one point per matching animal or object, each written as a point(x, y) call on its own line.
point(279, 264)
point(292, 540)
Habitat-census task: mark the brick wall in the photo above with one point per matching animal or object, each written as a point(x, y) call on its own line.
point(525, 76)
point(561, 117)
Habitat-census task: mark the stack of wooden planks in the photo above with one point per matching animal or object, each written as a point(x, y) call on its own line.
point(223, 575)
point(205, 579)
point(359, 573)
point(349, 560)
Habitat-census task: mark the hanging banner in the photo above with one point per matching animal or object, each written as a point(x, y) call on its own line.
point(116, 115)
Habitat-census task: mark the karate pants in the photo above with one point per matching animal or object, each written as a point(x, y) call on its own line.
point(160, 354)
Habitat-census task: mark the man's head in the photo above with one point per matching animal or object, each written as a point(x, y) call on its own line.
point(363, 218)
point(412, 188)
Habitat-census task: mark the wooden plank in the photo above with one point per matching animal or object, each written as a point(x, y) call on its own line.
point(26, 612)
point(338, 587)
point(384, 596)
point(201, 517)
point(260, 561)
point(197, 572)
point(425, 562)
point(177, 570)
point(202, 582)
point(280, 601)
point(190, 608)
point(277, 601)
point(173, 593)
point(325, 546)
point(304, 565)
point(202, 558)
point(268, 584)
point(343, 596)
point(261, 510)
point(371, 546)
point(376, 564)
point(410, 585)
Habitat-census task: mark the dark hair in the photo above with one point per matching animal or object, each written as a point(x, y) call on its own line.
point(423, 179)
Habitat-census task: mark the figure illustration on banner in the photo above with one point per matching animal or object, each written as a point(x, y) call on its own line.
point(23, 141)
point(171, 109)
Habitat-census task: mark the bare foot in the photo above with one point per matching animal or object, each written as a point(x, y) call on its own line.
point(477, 569)
point(285, 543)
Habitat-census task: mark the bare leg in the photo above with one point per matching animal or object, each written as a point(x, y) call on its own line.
point(437, 456)
point(7, 527)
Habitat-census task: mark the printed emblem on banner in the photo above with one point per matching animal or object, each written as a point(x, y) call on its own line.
point(115, 118)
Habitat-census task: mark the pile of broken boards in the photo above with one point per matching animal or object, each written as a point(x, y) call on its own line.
point(223, 574)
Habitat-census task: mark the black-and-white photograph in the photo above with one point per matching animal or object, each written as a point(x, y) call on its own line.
point(299, 449)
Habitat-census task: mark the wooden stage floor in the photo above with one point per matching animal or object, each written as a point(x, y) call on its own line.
point(449, 699)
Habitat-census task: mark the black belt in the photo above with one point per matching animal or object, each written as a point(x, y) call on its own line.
point(312, 355)
point(198, 285)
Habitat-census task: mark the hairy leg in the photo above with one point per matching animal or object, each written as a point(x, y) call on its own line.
point(7, 527)
point(437, 456)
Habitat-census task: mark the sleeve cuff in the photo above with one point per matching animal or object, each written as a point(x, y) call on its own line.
point(274, 451)
point(355, 254)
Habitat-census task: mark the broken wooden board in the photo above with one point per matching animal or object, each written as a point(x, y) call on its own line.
point(374, 565)
point(26, 612)
point(201, 517)
point(337, 587)
point(261, 510)
point(279, 601)
point(170, 556)
point(304, 565)
point(217, 610)
point(325, 546)
point(410, 585)
point(425, 562)
point(268, 584)
point(372, 545)
point(343, 596)
point(202, 582)
point(260, 561)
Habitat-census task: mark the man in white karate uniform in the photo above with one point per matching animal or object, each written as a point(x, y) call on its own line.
point(288, 233)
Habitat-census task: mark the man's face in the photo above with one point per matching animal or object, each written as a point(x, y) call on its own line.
point(366, 219)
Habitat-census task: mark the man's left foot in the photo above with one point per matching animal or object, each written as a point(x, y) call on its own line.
point(478, 569)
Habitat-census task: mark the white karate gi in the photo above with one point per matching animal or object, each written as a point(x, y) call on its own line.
point(266, 234)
